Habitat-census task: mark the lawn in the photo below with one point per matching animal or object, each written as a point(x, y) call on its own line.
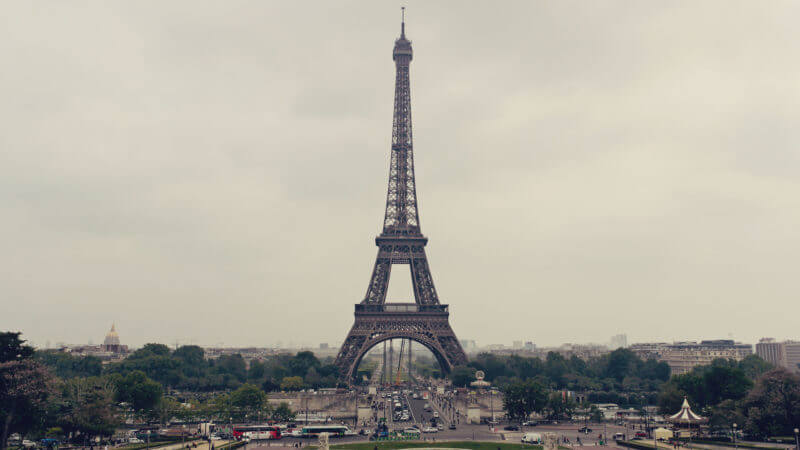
point(470, 445)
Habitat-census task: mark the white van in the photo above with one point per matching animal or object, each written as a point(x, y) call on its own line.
point(532, 438)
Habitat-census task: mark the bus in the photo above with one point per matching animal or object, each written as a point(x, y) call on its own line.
point(256, 432)
point(332, 430)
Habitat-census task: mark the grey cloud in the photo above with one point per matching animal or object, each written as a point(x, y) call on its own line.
point(192, 170)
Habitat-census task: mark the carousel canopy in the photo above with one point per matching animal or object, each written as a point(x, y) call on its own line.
point(686, 415)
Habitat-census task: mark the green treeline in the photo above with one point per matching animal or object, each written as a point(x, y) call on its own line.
point(617, 377)
point(76, 399)
point(187, 369)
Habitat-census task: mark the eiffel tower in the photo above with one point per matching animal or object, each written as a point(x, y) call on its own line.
point(425, 321)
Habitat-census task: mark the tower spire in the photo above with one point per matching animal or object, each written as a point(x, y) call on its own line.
point(402, 21)
point(401, 200)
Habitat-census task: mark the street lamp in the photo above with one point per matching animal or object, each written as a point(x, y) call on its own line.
point(735, 444)
point(491, 402)
point(796, 441)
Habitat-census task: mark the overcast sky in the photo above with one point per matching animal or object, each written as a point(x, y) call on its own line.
point(215, 172)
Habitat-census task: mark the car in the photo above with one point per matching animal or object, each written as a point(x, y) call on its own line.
point(436, 414)
point(531, 423)
point(214, 437)
point(135, 440)
point(641, 434)
point(452, 426)
point(430, 430)
point(585, 430)
point(511, 428)
point(28, 444)
point(440, 427)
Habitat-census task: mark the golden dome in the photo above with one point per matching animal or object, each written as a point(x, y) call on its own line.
point(112, 338)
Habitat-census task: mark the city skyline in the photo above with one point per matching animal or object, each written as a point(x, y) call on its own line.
point(216, 174)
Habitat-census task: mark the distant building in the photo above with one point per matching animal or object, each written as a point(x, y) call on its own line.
point(792, 350)
point(770, 351)
point(110, 350)
point(323, 346)
point(111, 342)
point(649, 350)
point(469, 345)
point(782, 354)
point(618, 341)
point(684, 356)
point(530, 346)
point(517, 344)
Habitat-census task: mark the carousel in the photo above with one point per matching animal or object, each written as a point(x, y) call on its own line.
point(686, 418)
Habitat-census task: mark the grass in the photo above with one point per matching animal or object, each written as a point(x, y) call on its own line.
point(470, 445)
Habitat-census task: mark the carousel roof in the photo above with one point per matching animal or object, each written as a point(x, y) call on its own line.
point(686, 415)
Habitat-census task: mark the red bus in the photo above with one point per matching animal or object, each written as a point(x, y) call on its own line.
point(256, 432)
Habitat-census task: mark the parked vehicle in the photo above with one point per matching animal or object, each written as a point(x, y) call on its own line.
point(430, 430)
point(511, 428)
point(586, 430)
point(49, 442)
point(28, 444)
point(532, 438)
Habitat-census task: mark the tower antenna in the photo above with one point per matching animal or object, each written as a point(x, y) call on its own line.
point(402, 20)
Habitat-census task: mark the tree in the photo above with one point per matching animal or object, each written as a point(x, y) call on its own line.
point(283, 413)
point(64, 365)
point(25, 388)
point(292, 384)
point(301, 362)
point(560, 406)
point(313, 379)
point(87, 406)
point(520, 399)
point(461, 376)
point(248, 398)
point(725, 414)
point(136, 389)
point(622, 362)
point(169, 408)
point(256, 370)
point(233, 365)
point(773, 405)
point(753, 366)
point(12, 348)
point(724, 383)
point(595, 415)
point(193, 360)
point(670, 399)
point(269, 385)
point(705, 386)
point(151, 350)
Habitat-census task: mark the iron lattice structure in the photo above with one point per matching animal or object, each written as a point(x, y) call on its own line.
point(401, 242)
